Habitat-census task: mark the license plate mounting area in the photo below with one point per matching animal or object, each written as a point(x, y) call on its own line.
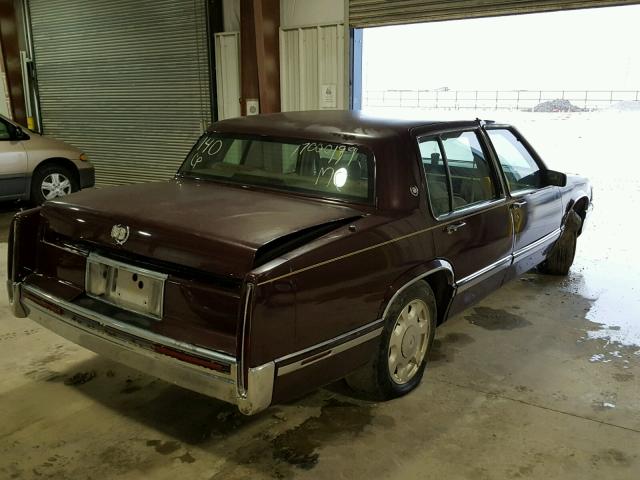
point(126, 286)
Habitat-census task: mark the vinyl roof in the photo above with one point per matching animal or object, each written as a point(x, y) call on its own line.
point(329, 125)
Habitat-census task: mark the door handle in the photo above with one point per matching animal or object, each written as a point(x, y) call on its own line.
point(454, 227)
point(518, 205)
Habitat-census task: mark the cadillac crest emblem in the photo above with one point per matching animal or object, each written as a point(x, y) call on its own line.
point(120, 234)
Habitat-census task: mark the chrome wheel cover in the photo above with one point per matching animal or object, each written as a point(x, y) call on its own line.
point(408, 342)
point(55, 185)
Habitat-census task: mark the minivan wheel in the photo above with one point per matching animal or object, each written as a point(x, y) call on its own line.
point(52, 181)
point(406, 339)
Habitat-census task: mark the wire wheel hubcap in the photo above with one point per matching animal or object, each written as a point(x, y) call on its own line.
point(408, 342)
point(55, 185)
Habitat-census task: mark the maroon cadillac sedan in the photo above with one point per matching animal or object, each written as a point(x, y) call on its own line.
point(294, 249)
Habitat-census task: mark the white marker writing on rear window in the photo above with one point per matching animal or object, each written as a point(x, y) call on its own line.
point(209, 147)
point(325, 149)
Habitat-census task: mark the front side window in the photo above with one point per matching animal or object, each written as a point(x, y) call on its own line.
point(519, 167)
point(324, 169)
point(457, 171)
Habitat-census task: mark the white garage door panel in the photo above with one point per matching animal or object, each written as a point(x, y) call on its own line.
point(228, 74)
point(369, 13)
point(311, 58)
point(127, 82)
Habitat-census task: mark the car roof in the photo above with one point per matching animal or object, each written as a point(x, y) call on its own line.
point(330, 125)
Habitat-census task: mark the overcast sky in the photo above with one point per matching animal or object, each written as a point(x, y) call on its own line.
point(596, 49)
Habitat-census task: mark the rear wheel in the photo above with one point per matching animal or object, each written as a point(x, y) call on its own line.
point(401, 359)
point(52, 181)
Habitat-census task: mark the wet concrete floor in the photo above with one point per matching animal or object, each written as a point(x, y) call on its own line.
point(540, 380)
point(525, 385)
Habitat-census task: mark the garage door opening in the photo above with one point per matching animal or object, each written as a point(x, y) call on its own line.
point(582, 60)
point(570, 81)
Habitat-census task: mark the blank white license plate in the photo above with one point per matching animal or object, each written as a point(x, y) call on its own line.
point(131, 288)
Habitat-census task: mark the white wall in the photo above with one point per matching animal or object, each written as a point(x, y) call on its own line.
point(231, 15)
point(293, 13)
point(313, 54)
point(312, 68)
point(4, 92)
point(297, 13)
point(228, 74)
point(311, 58)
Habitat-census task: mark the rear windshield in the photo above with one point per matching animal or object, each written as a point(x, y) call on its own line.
point(344, 172)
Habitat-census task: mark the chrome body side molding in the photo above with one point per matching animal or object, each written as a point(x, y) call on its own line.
point(538, 243)
point(67, 248)
point(445, 266)
point(477, 277)
point(484, 273)
point(330, 348)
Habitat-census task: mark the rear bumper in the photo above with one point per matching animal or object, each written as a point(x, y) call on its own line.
point(137, 349)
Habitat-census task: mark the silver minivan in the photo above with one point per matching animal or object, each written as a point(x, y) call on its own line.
point(38, 168)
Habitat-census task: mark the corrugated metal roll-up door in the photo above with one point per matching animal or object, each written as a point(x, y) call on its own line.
point(374, 13)
point(125, 81)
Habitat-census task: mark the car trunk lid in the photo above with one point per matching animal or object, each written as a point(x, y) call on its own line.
point(205, 226)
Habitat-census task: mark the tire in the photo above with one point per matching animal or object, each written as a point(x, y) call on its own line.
point(52, 181)
point(561, 257)
point(383, 378)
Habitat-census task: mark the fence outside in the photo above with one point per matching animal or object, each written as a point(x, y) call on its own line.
point(494, 100)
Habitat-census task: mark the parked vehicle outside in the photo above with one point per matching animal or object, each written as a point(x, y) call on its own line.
point(294, 249)
point(38, 168)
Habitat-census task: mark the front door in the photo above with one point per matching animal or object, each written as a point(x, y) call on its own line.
point(13, 164)
point(536, 207)
point(474, 231)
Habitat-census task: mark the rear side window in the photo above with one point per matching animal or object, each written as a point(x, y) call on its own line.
point(457, 171)
point(519, 167)
point(4, 131)
point(436, 174)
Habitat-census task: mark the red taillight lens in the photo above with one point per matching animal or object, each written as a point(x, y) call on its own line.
point(185, 357)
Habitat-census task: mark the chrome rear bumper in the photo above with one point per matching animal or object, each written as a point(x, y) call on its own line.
point(117, 341)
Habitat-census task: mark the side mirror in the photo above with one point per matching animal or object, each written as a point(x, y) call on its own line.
point(556, 179)
point(17, 133)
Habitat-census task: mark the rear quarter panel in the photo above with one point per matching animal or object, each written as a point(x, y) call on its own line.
point(336, 284)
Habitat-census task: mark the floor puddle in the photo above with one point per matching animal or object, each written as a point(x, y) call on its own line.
point(496, 319)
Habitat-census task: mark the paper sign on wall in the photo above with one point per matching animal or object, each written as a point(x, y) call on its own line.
point(328, 98)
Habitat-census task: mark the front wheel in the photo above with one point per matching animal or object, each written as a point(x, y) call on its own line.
point(401, 359)
point(52, 181)
point(561, 257)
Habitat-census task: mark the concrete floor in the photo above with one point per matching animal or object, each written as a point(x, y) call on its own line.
point(538, 381)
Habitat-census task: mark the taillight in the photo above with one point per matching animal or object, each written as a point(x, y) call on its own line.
point(23, 244)
point(10, 252)
point(43, 303)
point(185, 357)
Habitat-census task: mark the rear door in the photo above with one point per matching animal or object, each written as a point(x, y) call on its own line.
point(474, 231)
point(536, 208)
point(13, 164)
